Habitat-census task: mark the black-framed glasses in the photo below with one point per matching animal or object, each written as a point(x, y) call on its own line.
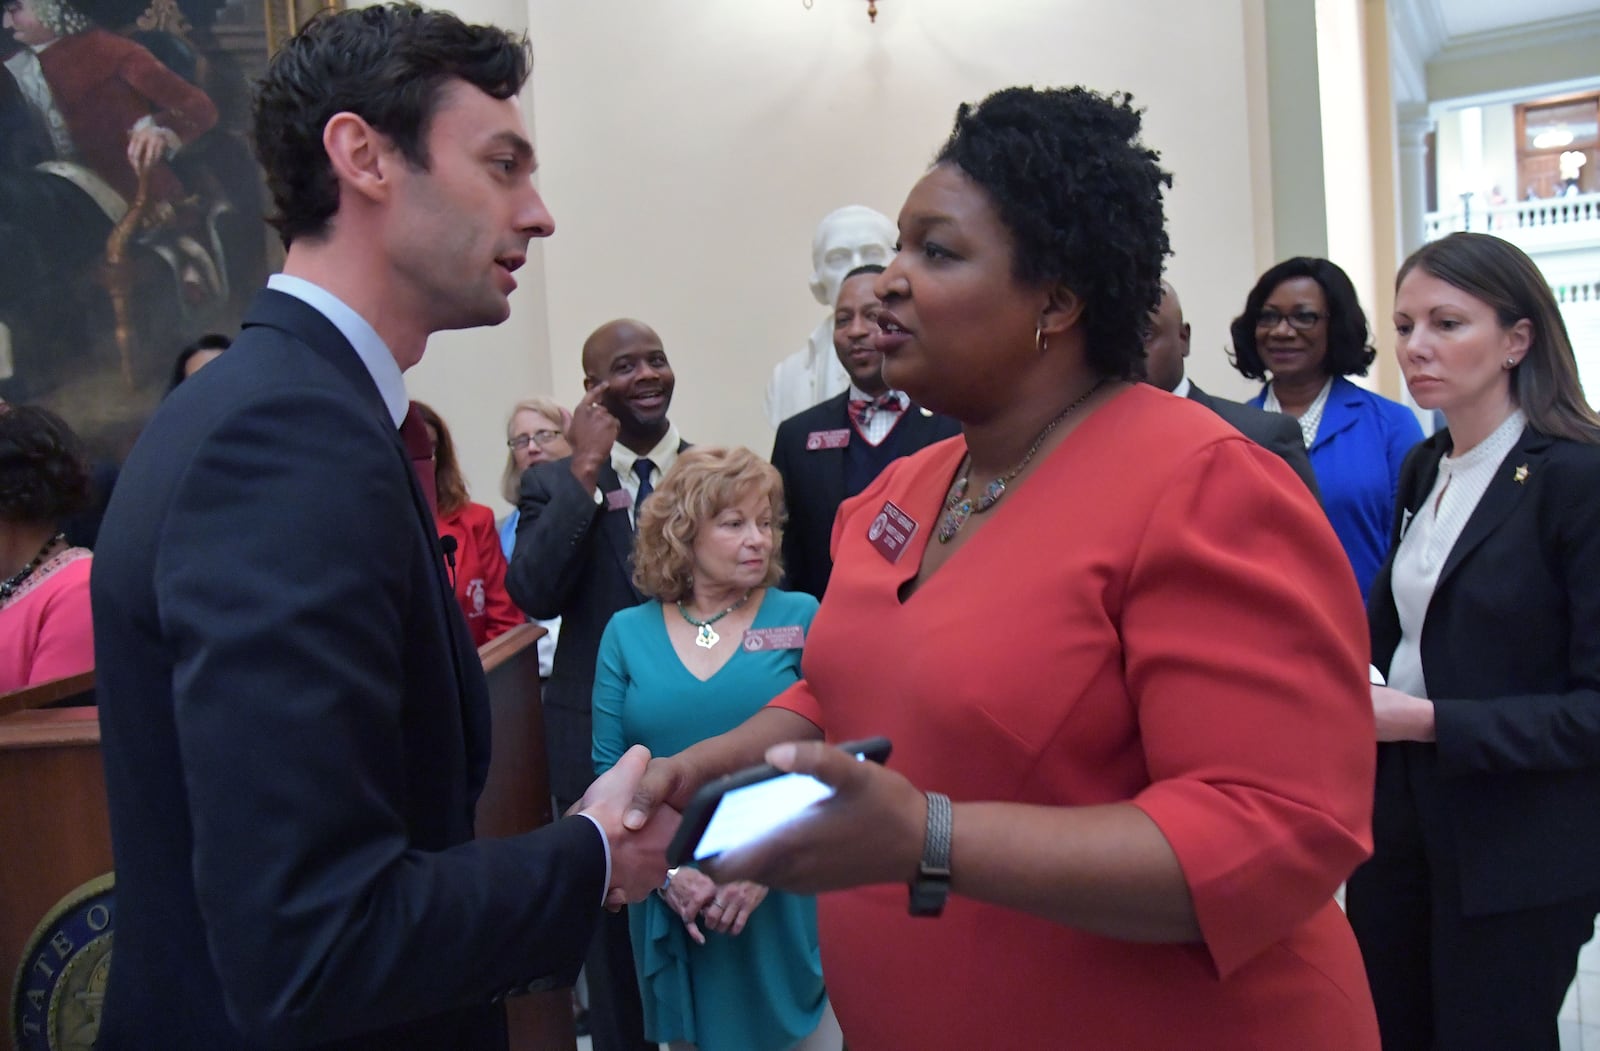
point(1301, 320)
point(539, 438)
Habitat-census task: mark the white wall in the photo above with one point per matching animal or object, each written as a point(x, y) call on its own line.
point(688, 150)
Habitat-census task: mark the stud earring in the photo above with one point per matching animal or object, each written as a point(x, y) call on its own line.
point(1511, 363)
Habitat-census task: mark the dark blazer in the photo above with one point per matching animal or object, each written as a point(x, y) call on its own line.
point(573, 560)
point(1271, 430)
point(813, 482)
point(1511, 653)
point(295, 730)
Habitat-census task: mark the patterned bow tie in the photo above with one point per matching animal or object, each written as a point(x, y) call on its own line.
point(863, 409)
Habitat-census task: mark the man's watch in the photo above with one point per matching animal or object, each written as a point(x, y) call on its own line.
point(932, 885)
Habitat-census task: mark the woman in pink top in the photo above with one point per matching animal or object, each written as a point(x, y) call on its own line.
point(45, 629)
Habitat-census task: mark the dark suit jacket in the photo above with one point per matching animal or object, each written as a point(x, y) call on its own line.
point(573, 561)
point(1511, 653)
point(1270, 430)
point(813, 483)
point(295, 730)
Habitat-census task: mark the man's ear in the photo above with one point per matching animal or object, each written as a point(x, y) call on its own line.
point(589, 382)
point(1183, 337)
point(1062, 310)
point(359, 154)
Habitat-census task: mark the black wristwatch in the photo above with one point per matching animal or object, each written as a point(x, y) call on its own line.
point(932, 885)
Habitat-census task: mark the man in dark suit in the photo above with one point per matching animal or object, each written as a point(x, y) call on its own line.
point(1166, 344)
point(573, 560)
point(294, 722)
point(834, 450)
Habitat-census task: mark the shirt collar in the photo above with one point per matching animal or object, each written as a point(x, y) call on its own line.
point(857, 394)
point(665, 451)
point(369, 346)
point(1182, 389)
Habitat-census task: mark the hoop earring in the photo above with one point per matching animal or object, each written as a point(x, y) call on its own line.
point(1040, 340)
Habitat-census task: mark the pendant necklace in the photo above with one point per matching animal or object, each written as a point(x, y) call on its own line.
point(705, 637)
point(9, 586)
point(958, 507)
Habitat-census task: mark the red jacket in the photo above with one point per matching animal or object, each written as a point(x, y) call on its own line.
point(480, 573)
point(103, 84)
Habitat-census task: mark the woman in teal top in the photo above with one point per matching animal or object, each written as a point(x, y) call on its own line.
point(722, 967)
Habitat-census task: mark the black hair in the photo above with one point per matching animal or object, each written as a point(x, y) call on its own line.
point(1545, 383)
point(1082, 197)
point(388, 64)
point(44, 476)
point(209, 341)
point(1350, 349)
point(864, 268)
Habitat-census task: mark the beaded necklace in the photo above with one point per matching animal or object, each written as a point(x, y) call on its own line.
point(706, 638)
point(958, 507)
point(9, 585)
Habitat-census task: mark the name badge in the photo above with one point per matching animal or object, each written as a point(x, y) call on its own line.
point(617, 500)
point(828, 439)
point(791, 637)
point(891, 531)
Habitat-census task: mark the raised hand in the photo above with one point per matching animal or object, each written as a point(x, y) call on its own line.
point(591, 434)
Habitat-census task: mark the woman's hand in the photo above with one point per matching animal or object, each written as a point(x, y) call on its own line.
point(688, 893)
point(732, 905)
point(870, 831)
point(1400, 716)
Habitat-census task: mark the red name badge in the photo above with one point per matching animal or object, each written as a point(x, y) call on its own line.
point(618, 500)
point(828, 439)
point(891, 531)
point(791, 637)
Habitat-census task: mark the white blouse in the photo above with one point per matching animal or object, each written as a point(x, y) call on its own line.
point(1427, 538)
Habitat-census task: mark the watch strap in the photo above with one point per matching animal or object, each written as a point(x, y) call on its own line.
point(932, 885)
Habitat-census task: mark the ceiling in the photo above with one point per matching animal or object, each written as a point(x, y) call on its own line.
point(1465, 17)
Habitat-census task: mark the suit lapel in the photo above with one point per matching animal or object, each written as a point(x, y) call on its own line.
point(614, 525)
point(1339, 413)
point(1505, 492)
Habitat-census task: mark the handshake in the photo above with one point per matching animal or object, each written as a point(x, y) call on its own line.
point(638, 855)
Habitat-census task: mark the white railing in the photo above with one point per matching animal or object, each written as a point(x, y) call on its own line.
point(1546, 220)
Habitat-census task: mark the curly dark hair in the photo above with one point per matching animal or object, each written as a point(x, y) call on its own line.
point(44, 476)
point(1082, 198)
point(388, 64)
point(1350, 349)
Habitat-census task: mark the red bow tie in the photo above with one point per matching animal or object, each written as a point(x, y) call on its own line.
point(863, 409)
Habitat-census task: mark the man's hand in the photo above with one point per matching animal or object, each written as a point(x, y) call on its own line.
point(591, 434)
point(639, 855)
point(147, 145)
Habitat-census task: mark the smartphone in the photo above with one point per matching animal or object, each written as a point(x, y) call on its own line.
point(740, 808)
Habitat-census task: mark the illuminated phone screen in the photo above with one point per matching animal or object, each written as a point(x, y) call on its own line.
point(746, 814)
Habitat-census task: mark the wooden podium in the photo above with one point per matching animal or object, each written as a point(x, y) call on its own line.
point(55, 836)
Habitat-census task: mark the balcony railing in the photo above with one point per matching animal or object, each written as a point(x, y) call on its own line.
point(1551, 222)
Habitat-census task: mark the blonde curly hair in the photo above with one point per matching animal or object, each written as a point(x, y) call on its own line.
point(702, 483)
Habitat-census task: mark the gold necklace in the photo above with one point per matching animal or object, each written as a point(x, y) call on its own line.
point(706, 638)
point(958, 507)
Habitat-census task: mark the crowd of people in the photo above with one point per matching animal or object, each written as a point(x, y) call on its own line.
point(1162, 671)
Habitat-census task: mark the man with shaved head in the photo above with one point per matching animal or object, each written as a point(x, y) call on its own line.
point(574, 538)
point(1166, 344)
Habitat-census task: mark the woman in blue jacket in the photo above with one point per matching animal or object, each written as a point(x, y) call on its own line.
point(1303, 327)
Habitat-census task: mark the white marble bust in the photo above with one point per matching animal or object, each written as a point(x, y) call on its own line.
point(848, 237)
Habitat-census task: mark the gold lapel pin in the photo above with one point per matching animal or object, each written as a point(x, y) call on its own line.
point(1520, 475)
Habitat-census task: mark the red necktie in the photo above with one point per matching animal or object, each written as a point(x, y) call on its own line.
point(420, 448)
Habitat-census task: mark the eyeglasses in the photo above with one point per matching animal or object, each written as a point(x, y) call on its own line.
point(1303, 320)
point(540, 438)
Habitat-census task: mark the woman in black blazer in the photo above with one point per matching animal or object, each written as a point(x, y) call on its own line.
point(1485, 878)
